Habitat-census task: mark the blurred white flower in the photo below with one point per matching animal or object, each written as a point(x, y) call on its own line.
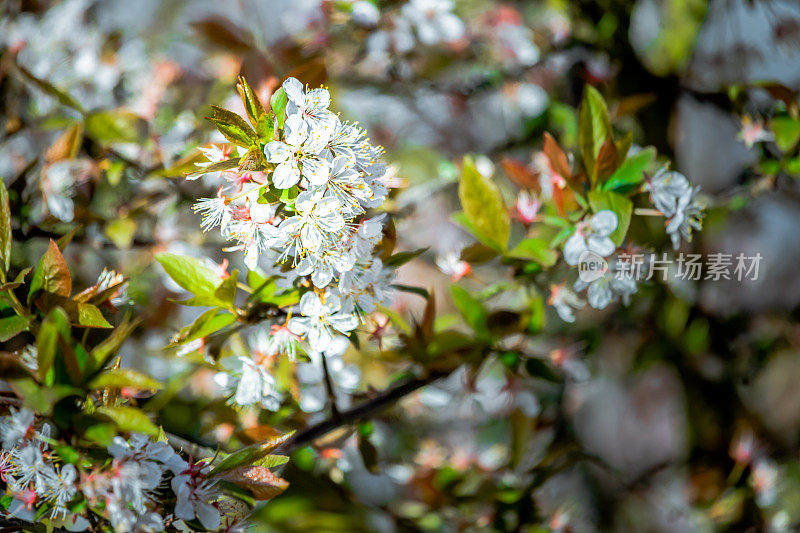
point(592, 236)
point(256, 387)
point(753, 132)
point(195, 497)
point(433, 21)
point(564, 301)
point(365, 13)
point(17, 427)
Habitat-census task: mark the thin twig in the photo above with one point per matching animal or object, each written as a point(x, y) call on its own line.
point(385, 399)
point(195, 450)
point(329, 390)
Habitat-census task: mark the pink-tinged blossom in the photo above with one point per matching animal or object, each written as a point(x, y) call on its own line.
point(452, 265)
point(527, 207)
point(564, 301)
point(753, 132)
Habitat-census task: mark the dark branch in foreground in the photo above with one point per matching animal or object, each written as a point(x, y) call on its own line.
point(359, 412)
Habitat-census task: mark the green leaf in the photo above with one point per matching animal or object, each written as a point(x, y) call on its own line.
point(115, 126)
point(419, 291)
point(63, 97)
point(594, 126)
point(787, 132)
point(620, 205)
point(535, 249)
point(286, 196)
point(249, 455)
point(55, 324)
point(395, 318)
point(124, 377)
point(233, 127)
point(121, 232)
point(129, 419)
point(102, 434)
point(483, 205)
point(226, 292)
point(449, 341)
point(41, 399)
point(471, 310)
point(66, 453)
point(90, 316)
point(401, 258)
point(278, 102)
point(11, 326)
point(265, 127)
point(101, 353)
point(52, 274)
point(537, 368)
point(461, 219)
point(216, 167)
point(209, 322)
point(194, 276)
point(271, 461)
point(252, 105)
point(5, 229)
point(631, 172)
point(477, 253)
point(369, 455)
point(265, 290)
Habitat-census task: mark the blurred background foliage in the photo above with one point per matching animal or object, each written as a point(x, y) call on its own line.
point(678, 413)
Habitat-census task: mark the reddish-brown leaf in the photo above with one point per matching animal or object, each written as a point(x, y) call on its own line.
point(67, 144)
point(521, 174)
point(558, 159)
point(426, 326)
point(607, 161)
point(53, 273)
point(259, 480)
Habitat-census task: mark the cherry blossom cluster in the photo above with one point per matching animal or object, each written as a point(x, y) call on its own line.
point(429, 22)
point(305, 221)
point(673, 197)
point(676, 199)
point(130, 492)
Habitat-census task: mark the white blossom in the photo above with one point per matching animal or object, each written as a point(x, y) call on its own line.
point(60, 489)
point(608, 287)
point(434, 21)
point(688, 216)
point(316, 120)
point(215, 212)
point(321, 319)
point(17, 427)
point(593, 236)
point(195, 497)
point(365, 13)
point(295, 159)
point(256, 387)
point(308, 231)
point(564, 301)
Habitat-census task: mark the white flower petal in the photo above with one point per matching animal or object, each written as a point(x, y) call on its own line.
point(602, 246)
point(604, 223)
point(286, 174)
point(573, 248)
point(295, 91)
point(277, 152)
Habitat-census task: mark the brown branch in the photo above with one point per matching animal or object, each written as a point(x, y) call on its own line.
point(329, 390)
point(350, 416)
